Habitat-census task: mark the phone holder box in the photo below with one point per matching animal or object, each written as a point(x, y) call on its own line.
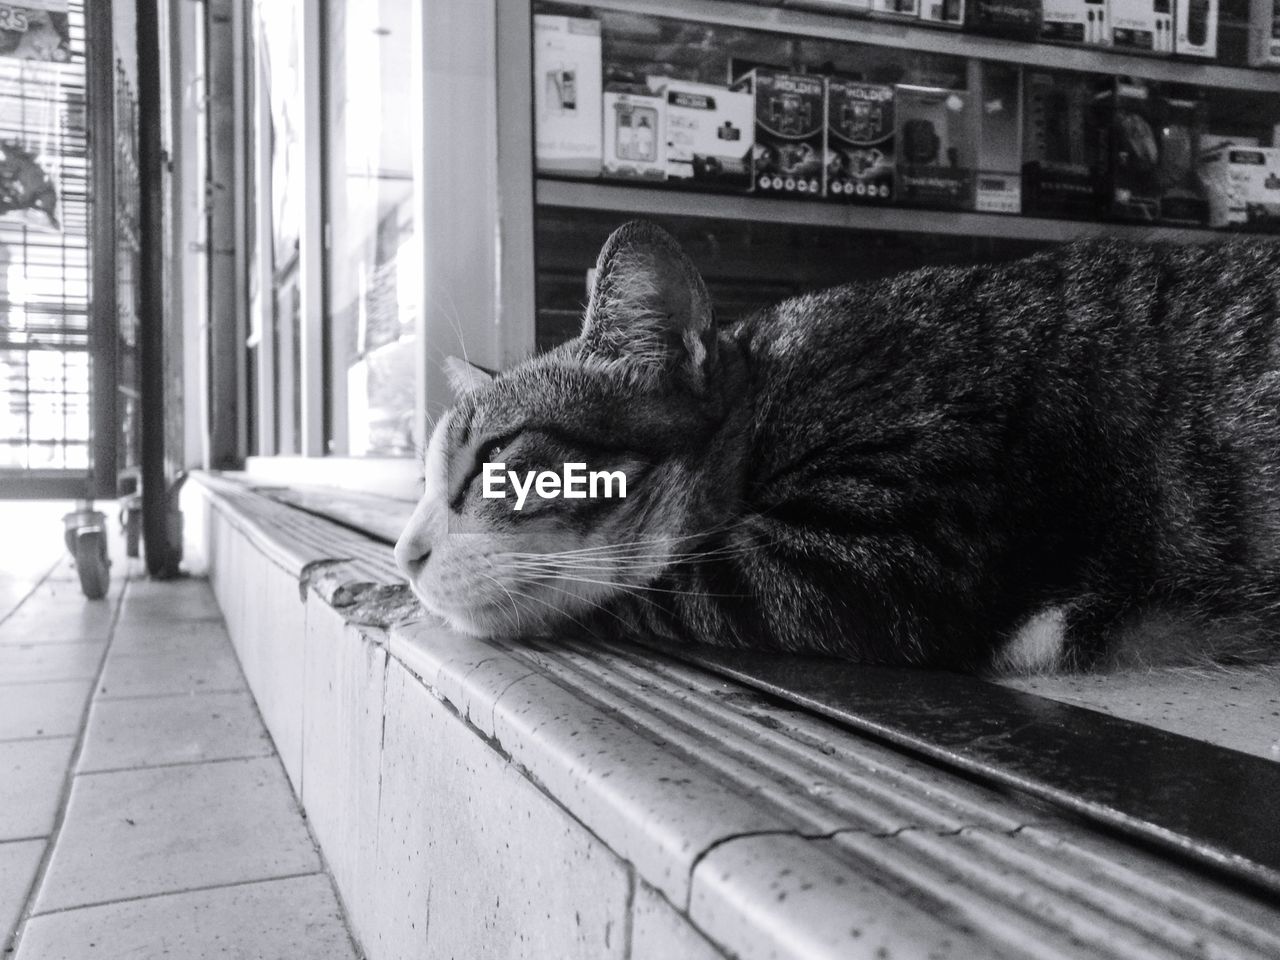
point(790, 148)
point(860, 130)
point(709, 134)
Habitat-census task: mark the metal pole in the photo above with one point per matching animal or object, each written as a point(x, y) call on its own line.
point(162, 558)
point(100, 82)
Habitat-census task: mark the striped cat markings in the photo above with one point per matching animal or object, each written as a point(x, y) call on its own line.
point(1055, 463)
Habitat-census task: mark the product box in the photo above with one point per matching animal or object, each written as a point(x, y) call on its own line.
point(709, 134)
point(1195, 32)
point(896, 9)
point(1183, 197)
point(942, 13)
point(1142, 26)
point(1012, 19)
point(1063, 153)
point(1129, 114)
point(935, 147)
point(998, 118)
point(790, 147)
point(1077, 21)
point(1243, 185)
point(634, 142)
point(860, 132)
point(1264, 33)
point(567, 95)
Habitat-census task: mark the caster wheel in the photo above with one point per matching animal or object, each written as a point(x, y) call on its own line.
point(132, 531)
point(92, 564)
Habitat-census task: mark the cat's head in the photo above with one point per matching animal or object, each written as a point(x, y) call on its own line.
point(642, 392)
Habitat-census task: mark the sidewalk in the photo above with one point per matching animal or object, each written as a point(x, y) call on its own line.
point(143, 810)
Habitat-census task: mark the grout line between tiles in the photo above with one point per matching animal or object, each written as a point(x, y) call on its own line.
point(34, 587)
point(57, 736)
point(176, 763)
point(174, 893)
point(118, 698)
point(68, 778)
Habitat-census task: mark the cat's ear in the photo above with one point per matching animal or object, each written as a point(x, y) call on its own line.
point(650, 312)
point(465, 377)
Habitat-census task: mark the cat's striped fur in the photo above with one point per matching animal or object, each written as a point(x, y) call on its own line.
point(1013, 465)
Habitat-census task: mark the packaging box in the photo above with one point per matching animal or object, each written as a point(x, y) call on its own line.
point(935, 147)
point(1243, 185)
point(1142, 26)
point(634, 142)
point(1063, 153)
point(1264, 33)
point(709, 134)
point(896, 8)
point(998, 118)
point(567, 95)
point(943, 13)
point(1129, 114)
point(1183, 197)
point(1077, 21)
point(1012, 19)
point(790, 147)
point(1195, 32)
point(860, 132)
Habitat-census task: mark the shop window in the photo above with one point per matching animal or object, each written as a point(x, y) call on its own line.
point(373, 265)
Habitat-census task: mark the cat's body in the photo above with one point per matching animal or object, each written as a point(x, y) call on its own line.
point(1012, 465)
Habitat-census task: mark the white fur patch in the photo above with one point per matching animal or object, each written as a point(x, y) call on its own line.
point(1036, 646)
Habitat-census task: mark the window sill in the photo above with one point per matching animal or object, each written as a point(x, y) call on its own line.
point(674, 813)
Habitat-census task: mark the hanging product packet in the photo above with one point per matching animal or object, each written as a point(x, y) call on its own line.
point(35, 30)
point(36, 119)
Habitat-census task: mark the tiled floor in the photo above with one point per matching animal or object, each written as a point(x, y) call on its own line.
point(143, 809)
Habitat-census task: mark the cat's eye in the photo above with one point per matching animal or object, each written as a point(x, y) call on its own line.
point(493, 451)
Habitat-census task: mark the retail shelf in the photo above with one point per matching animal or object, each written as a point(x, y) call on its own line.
point(909, 36)
point(623, 198)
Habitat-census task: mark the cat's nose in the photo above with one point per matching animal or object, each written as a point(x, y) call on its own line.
point(412, 552)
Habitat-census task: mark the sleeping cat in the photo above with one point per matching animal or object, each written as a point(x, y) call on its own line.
point(1026, 466)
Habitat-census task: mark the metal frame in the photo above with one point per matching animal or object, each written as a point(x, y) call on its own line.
point(311, 266)
point(103, 311)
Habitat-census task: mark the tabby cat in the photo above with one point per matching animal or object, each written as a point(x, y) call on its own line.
point(1025, 466)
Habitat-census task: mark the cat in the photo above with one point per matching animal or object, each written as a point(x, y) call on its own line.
point(1020, 467)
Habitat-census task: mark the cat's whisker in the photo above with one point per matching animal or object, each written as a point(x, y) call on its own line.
point(503, 587)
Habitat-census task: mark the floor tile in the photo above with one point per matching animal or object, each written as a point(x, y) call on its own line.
point(194, 670)
point(18, 865)
point(32, 774)
point(180, 600)
point(276, 920)
point(43, 709)
point(152, 731)
point(57, 613)
point(38, 662)
point(162, 635)
point(138, 833)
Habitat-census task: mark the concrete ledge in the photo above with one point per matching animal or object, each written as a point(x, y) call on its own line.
point(563, 800)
